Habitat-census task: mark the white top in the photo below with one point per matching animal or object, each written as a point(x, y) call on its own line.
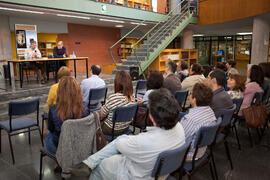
point(147, 93)
point(139, 152)
point(29, 53)
point(91, 83)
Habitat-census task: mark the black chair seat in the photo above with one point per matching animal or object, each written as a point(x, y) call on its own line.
point(18, 124)
point(110, 138)
point(188, 165)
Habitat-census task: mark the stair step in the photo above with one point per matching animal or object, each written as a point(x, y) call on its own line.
point(140, 58)
point(131, 63)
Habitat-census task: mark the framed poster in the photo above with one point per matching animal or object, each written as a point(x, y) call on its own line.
point(24, 35)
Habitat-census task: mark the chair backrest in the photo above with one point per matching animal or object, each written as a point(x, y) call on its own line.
point(17, 108)
point(181, 97)
point(124, 113)
point(98, 94)
point(169, 161)
point(206, 135)
point(257, 98)
point(266, 94)
point(238, 103)
point(226, 115)
point(181, 115)
point(141, 85)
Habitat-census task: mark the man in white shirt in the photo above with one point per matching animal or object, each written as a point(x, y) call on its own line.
point(134, 156)
point(94, 81)
point(34, 53)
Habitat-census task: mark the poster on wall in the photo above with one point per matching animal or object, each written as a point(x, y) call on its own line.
point(25, 34)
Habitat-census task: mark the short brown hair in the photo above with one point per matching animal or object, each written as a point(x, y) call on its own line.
point(231, 62)
point(63, 71)
point(196, 68)
point(203, 94)
point(123, 84)
point(239, 82)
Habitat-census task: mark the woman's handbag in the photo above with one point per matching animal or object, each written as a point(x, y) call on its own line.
point(100, 138)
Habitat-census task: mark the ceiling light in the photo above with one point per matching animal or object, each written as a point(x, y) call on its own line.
point(197, 35)
point(72, 16)
point(110, 20)
point(244, 33)
point(21, 10)
point(138, 23)
point(119, 25)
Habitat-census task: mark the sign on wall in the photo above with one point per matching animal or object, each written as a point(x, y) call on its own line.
point(24, 35)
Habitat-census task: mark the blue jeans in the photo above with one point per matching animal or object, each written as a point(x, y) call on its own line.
point(104, 163)
point(50, 146)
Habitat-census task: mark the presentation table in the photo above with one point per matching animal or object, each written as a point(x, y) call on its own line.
point(44, 60)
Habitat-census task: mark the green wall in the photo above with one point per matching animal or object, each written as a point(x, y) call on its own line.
point(87, 6)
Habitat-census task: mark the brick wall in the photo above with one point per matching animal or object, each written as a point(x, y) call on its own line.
point(92, 42)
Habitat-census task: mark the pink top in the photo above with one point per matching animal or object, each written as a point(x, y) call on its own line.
point(251, 89)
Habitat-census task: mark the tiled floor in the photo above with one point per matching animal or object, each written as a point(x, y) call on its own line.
point(249, 163)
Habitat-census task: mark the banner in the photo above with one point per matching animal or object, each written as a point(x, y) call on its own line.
point(24, 35)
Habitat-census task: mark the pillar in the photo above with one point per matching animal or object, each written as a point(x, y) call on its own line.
point(260, 41)
point(5, 42)
point(187, 39)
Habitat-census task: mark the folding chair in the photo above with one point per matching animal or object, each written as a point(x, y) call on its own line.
point(97, 95)
point(141, 86)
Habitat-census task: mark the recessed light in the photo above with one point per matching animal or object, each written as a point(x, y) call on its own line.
point(119, 25)
point(21, 10)
point(72, 16)
point(138, 23)
point(197, 35)
point(111, 20)
point(244, 33)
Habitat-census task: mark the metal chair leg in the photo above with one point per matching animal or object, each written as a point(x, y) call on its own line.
point(237, 138)
point(250, 138)
point(29, 135)
point(211, 171)
point(40, 166)
point(0, 141)
point(41, 137)
point(228, 153)
point(214, 164)
point(11, 149)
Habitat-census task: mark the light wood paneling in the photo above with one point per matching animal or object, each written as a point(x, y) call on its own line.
point(218, 11)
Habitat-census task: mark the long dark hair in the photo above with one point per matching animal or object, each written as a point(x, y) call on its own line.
point(256, 75)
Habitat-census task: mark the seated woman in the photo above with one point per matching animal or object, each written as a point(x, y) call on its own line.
point(254, 84)
point(236, 84)
point(69, 106)
point(123, 96)
point(154, 81)
point(63, 71)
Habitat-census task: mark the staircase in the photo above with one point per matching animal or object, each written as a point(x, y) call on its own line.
point(156, 39)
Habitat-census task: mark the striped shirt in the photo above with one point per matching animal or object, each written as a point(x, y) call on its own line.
point(114, 101)
point(196, 118)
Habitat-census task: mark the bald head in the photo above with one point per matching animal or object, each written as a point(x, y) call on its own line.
point(60, 44)
point(96, 70)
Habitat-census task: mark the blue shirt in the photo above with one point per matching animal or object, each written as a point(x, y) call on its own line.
point(91, 83)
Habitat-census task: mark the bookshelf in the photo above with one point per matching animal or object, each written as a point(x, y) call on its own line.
point(177, 55)
point(126, 46)
point(46, 43)
point(140, 4)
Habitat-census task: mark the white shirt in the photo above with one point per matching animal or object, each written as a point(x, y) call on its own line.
point(91, 83)
point(139, 152)
point(29, 53)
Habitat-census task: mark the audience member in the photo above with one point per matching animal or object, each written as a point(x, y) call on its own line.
point(123, 96)
point(230, 67)
point(134, 156)
point(221, 99)
point(182, 69)
point(34, 53)
point(69, 106)
point(63, 71)
point(199, 115)
point(206, 70)
point(221, 65)
point(195, 77)
point(236, 84)
point(94, 81)
point(154, 81)
point(255, 84)
point(60, 51)
point(266, 71)
point(171, 81)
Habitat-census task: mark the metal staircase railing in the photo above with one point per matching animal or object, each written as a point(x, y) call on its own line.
point(173, 18)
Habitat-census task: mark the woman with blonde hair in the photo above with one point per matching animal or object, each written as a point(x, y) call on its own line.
point(69, 105)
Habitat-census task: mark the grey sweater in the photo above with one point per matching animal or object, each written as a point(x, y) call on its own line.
point(77, 142)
